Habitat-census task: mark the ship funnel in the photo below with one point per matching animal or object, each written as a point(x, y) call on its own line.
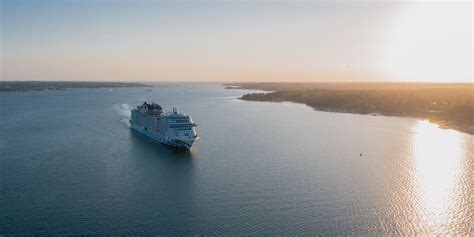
point(175, 110)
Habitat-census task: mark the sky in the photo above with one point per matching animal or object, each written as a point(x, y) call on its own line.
point(259, 40)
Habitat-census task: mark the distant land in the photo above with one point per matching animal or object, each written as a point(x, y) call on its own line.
point(23, 86)
point(449, 105)
point(280, 86)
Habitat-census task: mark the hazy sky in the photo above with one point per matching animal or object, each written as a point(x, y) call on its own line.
point(236, 40)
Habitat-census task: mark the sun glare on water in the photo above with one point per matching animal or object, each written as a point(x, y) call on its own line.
point(437, 156)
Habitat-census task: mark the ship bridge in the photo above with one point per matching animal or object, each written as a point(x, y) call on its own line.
point(179, 120)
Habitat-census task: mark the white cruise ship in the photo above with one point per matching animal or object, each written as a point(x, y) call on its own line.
point(172, 128)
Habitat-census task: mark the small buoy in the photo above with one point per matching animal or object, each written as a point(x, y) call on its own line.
point(361, 154)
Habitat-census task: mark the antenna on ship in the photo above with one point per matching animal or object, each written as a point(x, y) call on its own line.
point(175, 110)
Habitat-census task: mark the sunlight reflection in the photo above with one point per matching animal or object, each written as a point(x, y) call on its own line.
point(437, 155)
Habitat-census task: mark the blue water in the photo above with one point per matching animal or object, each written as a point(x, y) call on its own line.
point(69, 164)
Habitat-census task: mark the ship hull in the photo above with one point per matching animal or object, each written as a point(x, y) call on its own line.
point(176, 143)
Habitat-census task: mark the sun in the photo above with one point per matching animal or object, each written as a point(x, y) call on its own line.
point(428, 42)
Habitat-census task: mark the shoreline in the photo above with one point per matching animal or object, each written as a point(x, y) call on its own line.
point(45, 86)
point(440, 123)
point(448, 108)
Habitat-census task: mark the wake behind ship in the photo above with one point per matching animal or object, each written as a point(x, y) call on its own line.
point(171, 128)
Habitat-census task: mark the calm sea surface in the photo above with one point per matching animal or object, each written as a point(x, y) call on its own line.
point(69, 163)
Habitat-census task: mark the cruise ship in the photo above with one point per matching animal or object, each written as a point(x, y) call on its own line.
point(171, 128)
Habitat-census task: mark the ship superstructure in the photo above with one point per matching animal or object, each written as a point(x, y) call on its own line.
point(170, 128)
